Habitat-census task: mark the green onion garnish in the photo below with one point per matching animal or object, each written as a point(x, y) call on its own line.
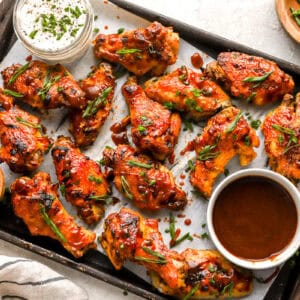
point(18, 73)
point(50, 223)
point(134, 163)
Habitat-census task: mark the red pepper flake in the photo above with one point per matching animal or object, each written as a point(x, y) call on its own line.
point(29, 58)
point(181, 183)
point(105, 27)
point(105, 1)
point(181, 216)
point(118, 17)
point(182, 176)
point(187, 222)
point(177, 233)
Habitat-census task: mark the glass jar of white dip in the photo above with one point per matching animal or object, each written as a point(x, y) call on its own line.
point(54, 30)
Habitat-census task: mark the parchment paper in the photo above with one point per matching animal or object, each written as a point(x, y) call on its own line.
point(110, 18)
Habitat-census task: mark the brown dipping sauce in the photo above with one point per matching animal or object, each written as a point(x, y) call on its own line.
point(254, 218)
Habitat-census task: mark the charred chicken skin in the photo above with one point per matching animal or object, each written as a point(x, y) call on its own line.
point(99, 90)
point(149, 184)
point(210, 275)
point(154, 128)
point(189, 92)
point(23, 143)
point(142, 50)
point(43, 86)
point(36, 202)
point(252, 78)
point(281, 129)
point(129, 236)
point(226, 135)
point(81, 180)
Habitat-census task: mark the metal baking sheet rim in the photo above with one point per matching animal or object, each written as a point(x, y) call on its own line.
point(95, 272)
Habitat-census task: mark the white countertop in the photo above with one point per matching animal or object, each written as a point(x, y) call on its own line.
point(253, 23)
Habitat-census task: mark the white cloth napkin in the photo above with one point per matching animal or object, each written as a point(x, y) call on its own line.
point(26, 279)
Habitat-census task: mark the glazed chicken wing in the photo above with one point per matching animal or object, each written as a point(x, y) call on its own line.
point(99, 90)
point(129, 236)
point(81, 180)
point(252, 78)
point(226, 135)
point(189, 92)
point(154, 128)
point(149, 184)
point(281, 129)
point(43, 86)
point(210, 275)
point(142, 50)
point(36, 202)
point(22, 139)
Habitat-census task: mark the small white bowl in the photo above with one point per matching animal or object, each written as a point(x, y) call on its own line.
point(267, 263)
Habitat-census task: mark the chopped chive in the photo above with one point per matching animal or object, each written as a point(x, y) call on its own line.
point(92, 178)
point(28, 124)
point(47, 84)
point(191, 166)
point(251, 97)
point(191, 292)
point(141, 128)
point(126, 187)
point(172, 227)
point(234, 123)
point(259, 78)
point(196, 92)
point(154, 253)
point(226, 172)
point(255, 124)
point(120, 30)
point(18, 73)
point(102, 198)
point(284, 129)
point(187, 236)
point(188, 125)
point(33, 34)
point(152, 182)
point(150, 260)
point(206, 152)
point(62, 189)
point(127, 51)
point(204, 236)
point(51, 224)
point(12, 93)
point(247, 140)
point(228, 288)
point(212, 268)
point(74, 32)
point(93, 106)
point(134, 163)
point(169, 105)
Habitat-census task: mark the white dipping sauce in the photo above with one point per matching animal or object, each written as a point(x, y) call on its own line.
point(52, 25)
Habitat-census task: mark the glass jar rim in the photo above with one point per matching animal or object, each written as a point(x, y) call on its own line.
point(81, 39)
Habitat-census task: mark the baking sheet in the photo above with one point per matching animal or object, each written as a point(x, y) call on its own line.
point(110, 18)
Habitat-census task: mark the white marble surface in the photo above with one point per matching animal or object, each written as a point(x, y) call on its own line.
point(253, 23)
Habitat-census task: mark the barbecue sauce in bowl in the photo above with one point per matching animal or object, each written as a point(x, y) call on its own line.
point(254, 218)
